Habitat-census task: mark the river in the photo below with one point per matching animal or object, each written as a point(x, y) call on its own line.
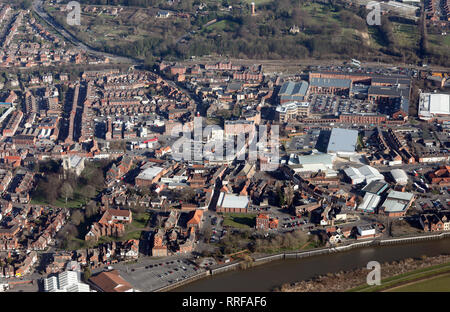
point(266, 277)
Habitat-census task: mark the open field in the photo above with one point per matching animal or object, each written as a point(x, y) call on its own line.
point(417, 277)
point(433, 284)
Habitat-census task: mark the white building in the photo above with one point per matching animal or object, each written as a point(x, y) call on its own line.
point(434, 105)
point(342, 142)
point(399, 176)
point(67, 281)
point(366, 231)
point(363, 174)
point(315, 162)
point(232, 203)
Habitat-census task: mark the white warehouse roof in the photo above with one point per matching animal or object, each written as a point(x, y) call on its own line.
point(399, 176)
point(149, 173)
point(342, 141)
point(434, 104)
point(232, 201)
point(363, 174)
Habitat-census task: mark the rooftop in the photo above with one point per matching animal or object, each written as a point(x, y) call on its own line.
point(331, 82)
point(149, 173)
point(232, 201)
point(342, 140)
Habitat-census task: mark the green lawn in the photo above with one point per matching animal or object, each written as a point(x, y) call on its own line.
point(239, 220)
point(140, 220)
point(223, 25)
point(439, 42)
point(406, 35)
point(439, 283)
point(76, 202)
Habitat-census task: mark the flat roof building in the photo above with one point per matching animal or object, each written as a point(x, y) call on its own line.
point(376, 187)
point(232, 203)
point(315, 162)
point(434, 106)
point(342, 142)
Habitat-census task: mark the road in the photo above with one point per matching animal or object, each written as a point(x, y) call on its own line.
point(39, 10)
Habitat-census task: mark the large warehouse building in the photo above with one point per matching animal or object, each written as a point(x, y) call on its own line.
point(293, 91)
point(434, 106)
point(363, 174)
point(342, 142)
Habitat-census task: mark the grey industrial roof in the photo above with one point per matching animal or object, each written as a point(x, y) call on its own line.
point(342, 140)
point(294, 88)
point(331, 82)
point(400, 195)
point(389, 91)
point(392, 80)
point(375, 187)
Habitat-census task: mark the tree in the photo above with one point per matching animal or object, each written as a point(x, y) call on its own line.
point(87, 273)
point(88, 192)
point(77, 217)
point(289, 195)
point(91, 209)
point(187, 195)
point(66, 191)
point(281, 198)
point(207, 233)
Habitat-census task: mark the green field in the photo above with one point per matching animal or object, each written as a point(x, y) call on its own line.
point(418, 278)
point(438, 283)
point(239, 220)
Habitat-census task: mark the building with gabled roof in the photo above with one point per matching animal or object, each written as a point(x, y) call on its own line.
point(110, 281)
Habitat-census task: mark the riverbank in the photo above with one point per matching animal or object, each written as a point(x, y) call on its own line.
point(279, 269)
point(392, 274)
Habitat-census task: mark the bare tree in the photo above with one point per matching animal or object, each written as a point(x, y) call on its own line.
point(289, 195)
point(77, 217)
point(66, 191)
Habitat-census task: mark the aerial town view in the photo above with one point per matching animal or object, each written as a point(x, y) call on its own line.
point(268, 146)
